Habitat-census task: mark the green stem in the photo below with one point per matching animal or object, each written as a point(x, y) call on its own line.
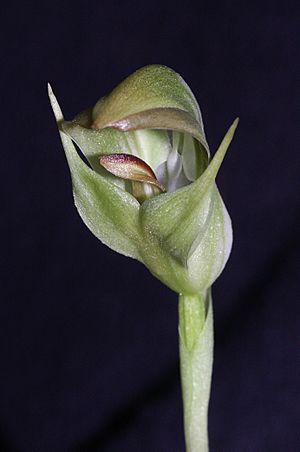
point(196, 359)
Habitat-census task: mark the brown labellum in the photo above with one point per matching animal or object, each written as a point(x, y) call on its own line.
point(130, 167)
point(127, 166)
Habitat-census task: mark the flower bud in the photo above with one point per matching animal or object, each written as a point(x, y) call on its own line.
point(149, 190)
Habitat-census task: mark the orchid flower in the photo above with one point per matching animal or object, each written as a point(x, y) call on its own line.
point(146, 188)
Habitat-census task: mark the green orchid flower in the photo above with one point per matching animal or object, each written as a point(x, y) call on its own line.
point(175, 222)
point(147, 190)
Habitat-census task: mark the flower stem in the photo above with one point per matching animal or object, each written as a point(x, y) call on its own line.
point(196, 359)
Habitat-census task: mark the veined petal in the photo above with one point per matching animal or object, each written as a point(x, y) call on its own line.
point(108, 211)
point(174, 221)
point(211, 251)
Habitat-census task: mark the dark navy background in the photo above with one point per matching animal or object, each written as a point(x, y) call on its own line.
point(88, 338)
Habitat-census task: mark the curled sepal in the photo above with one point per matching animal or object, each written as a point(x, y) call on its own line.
point(154, 97)
point(189, 230)
point(108, 211)
point(135, 117)
point(151, 87)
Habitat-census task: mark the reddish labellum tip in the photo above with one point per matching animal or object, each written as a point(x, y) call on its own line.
point(130, 167)
point(127, 166)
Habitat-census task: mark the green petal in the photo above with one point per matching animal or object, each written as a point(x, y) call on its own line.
point(109, 212)
point(154, 97)
point(134, 119)
point(148, 88)
point(176, 220)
